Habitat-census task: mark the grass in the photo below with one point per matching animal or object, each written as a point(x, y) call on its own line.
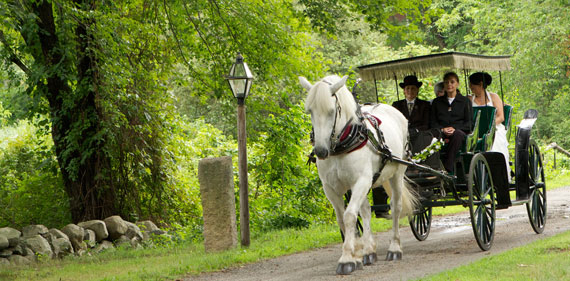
point(182, 259)
point(547, 259)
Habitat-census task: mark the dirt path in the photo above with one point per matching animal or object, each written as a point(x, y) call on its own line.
point(450, 244)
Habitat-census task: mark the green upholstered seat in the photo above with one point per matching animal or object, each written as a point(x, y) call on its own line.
point(481, 138)
point(508, 112)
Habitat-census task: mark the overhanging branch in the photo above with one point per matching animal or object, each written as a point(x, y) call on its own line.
point(13, 58)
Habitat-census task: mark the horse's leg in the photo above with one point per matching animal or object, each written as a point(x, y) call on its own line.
point(349, 261)
point(368, 243)
point(397, 184)
point(338, 205)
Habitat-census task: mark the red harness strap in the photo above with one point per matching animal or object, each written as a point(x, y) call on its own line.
point(374, 121)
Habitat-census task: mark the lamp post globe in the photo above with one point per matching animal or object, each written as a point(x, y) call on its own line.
point(240, 79)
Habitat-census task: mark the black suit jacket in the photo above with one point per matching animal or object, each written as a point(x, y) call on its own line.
point(420, 113)
point(457, 115)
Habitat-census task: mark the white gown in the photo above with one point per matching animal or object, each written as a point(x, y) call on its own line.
point(500, 143)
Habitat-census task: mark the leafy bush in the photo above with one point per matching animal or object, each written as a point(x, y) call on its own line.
point(283, 221)
point(285, 191)
point(31, 188)
point(193, 141)
point(562, 163)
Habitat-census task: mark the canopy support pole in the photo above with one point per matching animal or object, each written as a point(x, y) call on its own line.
point(501, 83)
point(376, 87)
point(397, 92)
point(466, 85)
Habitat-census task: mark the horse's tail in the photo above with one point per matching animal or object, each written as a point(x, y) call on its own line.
point(410, 199)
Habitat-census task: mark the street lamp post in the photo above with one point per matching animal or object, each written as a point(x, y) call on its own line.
point(240, 79)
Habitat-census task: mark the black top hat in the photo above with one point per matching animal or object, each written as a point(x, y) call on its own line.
point(411, 80)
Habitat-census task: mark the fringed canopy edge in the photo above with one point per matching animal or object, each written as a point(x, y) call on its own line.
point(432, 65)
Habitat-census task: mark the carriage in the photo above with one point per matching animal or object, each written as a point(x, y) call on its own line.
point(480, 182)
point(359, 148)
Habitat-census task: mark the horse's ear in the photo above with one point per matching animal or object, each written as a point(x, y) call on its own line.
point(305, 83)
point(339, 84)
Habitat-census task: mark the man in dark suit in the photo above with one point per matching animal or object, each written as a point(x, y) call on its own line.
point(417, 112)
point(413, 108)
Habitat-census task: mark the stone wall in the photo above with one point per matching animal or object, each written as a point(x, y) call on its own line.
point(35, 241)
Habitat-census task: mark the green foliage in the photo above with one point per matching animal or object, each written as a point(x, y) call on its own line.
point(399, 19)
point(31, 190)
point(535, 34)
point(274, 43)
point(555, 175)
point(191, 142)
point(139, 112)
point(285, 191)
point(555, 122)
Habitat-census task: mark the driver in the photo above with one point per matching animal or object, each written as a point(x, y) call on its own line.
point(413, 108)
point(417, 113)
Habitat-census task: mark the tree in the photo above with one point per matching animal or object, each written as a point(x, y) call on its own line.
point(87, 62)
point(399, 19)
point(104, 74)
point(274, 40)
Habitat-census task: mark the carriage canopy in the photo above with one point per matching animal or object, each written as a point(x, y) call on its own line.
point(432, 65)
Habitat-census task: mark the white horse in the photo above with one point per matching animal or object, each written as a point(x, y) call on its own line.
point(331, 107)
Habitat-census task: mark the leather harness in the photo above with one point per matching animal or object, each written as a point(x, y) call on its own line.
point(356, 136)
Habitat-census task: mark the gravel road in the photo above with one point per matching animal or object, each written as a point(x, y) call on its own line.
point(450, 244)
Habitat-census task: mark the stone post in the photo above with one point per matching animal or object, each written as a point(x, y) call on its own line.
point(218, 203)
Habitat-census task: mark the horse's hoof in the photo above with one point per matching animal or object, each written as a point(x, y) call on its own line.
point(359, 265)
point(345, 268)
point(393, 256)
point(369, 259)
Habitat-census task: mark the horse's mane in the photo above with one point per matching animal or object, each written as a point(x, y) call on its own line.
point(319, 98)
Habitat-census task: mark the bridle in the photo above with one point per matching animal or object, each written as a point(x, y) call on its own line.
point(337, 113)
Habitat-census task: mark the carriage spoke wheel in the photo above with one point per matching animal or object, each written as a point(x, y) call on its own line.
point(536, 207)
point(420, 223)
point(481, 201)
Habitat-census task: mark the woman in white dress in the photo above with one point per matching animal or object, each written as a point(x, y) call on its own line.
point(478, 83)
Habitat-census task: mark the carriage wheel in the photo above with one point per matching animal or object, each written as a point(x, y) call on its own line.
point(536, 207)
point(481, 201)
point(420, 223)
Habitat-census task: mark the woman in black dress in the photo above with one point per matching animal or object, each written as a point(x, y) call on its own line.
point(451, 114)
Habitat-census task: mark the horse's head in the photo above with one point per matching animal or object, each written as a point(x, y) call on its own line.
point(328, 102)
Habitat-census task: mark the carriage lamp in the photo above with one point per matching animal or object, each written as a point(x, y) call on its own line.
point(240, 79)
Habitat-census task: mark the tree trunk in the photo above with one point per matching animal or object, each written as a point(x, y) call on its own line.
point(76, 122)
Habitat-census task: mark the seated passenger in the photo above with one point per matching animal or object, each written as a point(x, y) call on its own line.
point(451, 114)
point(413, 108)
point(438, 90)
point(478, 83)
point(417, 113)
